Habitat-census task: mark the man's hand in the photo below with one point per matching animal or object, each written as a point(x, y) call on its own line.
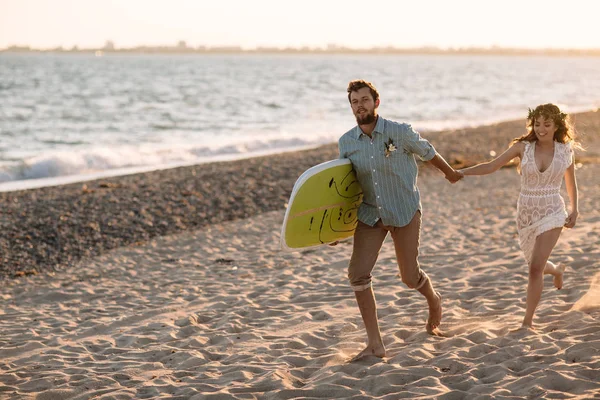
point(454, 176)
point(451, 174)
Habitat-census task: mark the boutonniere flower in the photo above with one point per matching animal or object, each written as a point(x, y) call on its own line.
point(389, 147)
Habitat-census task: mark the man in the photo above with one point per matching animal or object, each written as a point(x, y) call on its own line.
point(382, 154)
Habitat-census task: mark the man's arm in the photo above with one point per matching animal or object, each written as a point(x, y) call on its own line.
point(414, 143)
point(440, 163)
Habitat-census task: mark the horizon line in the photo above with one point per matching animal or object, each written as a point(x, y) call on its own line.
point(182, 47)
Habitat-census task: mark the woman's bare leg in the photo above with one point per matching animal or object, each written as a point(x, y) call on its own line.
point(542, 249)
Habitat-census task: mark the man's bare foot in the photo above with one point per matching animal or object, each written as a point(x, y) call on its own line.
point(435, 317)
point(558, 276)
point(436, 332)
point(524, 327)
point(376, 351)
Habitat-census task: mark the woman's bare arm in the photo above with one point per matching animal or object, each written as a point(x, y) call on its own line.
point(516, 150)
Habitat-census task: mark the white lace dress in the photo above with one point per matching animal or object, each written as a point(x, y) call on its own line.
point(540, 206)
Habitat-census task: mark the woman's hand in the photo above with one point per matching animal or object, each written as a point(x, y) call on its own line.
point(571, 219)
point(454, 176)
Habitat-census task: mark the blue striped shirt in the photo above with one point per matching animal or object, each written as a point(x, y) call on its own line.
point(389, 183)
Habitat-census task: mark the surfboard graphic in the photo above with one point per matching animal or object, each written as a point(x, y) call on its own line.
point(323, 206)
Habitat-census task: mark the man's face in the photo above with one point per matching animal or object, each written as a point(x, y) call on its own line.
point(363, 106)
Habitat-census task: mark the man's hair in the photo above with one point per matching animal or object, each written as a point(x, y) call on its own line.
point(358, 84)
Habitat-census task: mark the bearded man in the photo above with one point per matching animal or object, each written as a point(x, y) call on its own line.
point(383, 153)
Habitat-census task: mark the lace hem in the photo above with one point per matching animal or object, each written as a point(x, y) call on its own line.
point(528, 234)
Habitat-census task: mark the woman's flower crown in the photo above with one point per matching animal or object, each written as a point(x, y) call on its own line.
point(554, 115)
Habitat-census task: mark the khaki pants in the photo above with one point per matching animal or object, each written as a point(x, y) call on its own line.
point(367, 244)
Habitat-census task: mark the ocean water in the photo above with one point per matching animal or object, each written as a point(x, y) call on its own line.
point(73, 117)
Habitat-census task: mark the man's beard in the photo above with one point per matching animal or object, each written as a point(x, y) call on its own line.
point(367, 119)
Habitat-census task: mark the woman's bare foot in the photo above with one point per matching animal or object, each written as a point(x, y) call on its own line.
point(557, 271)
point(558, 276)
point(435, 316)
point(375, 350)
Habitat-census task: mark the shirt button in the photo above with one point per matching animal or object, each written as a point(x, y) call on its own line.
point(377, 196)
point(373, 170)
point(371, 156)
point(380, 208)
point(376, 183)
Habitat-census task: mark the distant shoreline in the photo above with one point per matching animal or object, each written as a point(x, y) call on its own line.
point(184, 49)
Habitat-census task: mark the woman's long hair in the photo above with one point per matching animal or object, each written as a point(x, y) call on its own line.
point(565, 132)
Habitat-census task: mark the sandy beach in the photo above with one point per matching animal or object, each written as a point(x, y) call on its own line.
point(206, 306)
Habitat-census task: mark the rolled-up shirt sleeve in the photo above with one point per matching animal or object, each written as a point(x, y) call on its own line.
point(414, 143)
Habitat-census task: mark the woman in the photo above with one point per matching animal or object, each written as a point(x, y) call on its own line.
point(546, 154)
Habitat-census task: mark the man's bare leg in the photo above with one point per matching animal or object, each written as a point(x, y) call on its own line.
point(368, 311)
point(406, 244)
point(434, 300)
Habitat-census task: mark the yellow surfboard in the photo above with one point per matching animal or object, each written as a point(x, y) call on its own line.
point(323, 206)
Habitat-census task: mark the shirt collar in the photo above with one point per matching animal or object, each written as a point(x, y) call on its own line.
point(379, 126)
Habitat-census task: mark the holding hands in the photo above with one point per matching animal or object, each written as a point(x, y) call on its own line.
point(454, 176)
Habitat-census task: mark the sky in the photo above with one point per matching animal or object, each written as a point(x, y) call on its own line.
point(46, 24)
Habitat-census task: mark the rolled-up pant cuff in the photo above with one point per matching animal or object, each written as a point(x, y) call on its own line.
point(360, 288)
point(424, 279)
